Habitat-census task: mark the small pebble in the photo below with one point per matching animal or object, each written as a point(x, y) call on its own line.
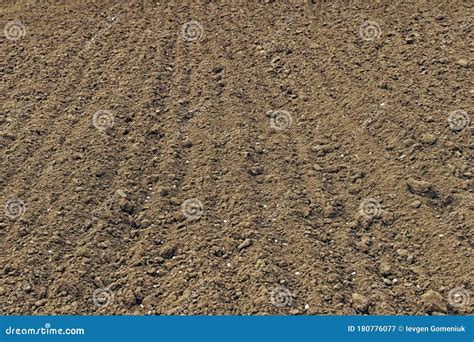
point(256, 170)
point(428, 138)
point(121, 193)
point(245, 244)
point(385, 268)
point(217, 69)
point(462, 62)
point(433, 301)
point(360, 303)
point(127, 207)
point(422, 188)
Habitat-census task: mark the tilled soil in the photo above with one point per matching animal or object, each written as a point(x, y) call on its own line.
point(236, 158)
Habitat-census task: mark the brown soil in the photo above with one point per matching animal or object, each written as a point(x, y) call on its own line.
point(333, 175)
